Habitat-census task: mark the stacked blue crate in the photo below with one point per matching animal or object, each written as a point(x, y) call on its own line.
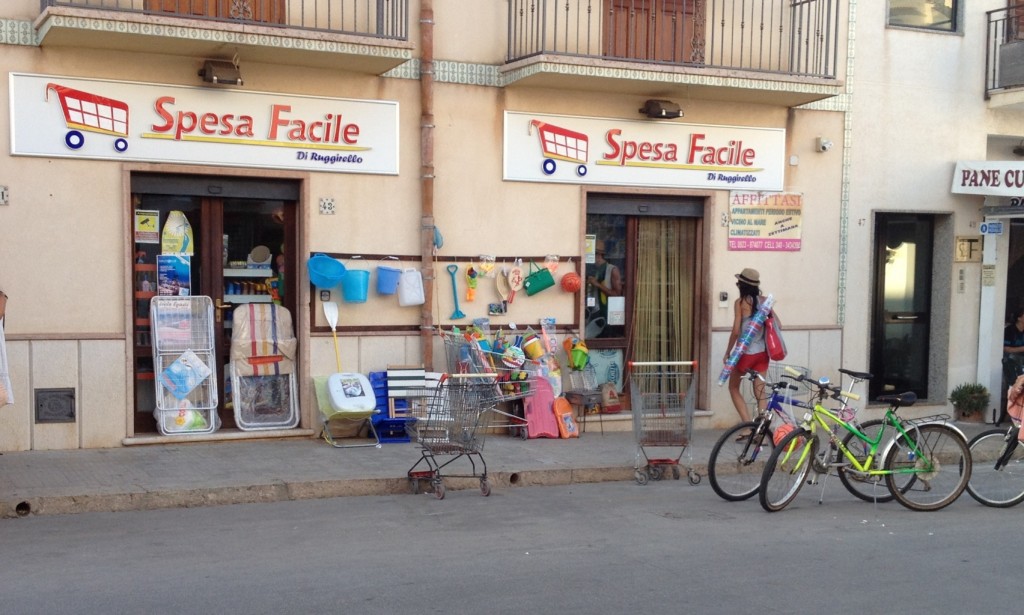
point(391, 429)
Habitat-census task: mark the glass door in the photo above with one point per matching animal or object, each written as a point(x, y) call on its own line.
point(239, 255)
point(902, 306)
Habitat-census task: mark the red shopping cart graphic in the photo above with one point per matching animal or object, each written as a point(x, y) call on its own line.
point(91, 113)
point(559, 143)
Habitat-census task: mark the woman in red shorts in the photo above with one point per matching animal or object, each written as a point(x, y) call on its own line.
point(755, 357)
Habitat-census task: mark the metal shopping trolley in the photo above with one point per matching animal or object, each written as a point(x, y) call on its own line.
point(663, 395)
point(454, 426)
point(515, 375)
point(91, 113)
point(559, 143)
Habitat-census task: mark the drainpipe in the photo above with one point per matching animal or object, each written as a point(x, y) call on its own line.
point(427, 179)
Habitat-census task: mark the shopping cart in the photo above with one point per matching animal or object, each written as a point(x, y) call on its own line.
point(454, 426)
point(663, 395)
point(514, 375)
point(559, 143)
point(91, 113)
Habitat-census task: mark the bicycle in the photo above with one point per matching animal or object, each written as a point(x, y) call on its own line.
point(735, 466)
point(998, 476)
point(926, 464)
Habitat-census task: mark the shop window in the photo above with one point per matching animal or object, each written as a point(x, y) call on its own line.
point(941, 15)
point(902, 308)
point(654, 244)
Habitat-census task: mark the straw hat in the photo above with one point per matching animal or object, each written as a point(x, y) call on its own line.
point(749, 276)
point(599, 247)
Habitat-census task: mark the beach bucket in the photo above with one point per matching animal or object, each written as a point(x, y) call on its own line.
point(533, 347)
point(324, 271)
point(355, 284)
point(387, 279)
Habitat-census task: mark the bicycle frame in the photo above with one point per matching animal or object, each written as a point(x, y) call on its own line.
point(819, 415)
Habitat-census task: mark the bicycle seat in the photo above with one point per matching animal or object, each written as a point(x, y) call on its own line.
point(903, 399)
point(857, 375)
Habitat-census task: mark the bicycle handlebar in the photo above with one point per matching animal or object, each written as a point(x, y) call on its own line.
point(836, 392)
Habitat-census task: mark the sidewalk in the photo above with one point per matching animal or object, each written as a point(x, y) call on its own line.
point(207, 474)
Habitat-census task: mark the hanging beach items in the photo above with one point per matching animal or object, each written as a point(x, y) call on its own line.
point(355, 285)
point(387, 277)
point(410, 288)
point(571, 281)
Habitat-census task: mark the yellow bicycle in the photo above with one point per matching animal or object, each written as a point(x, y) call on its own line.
point(926, 463)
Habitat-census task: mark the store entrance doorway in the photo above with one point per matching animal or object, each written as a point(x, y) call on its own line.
point(243, 234)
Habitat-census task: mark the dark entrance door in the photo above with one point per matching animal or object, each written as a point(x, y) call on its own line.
point(233, 221)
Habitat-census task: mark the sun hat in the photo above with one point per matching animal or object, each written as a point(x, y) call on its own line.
point(749, 276)
point(599, 246)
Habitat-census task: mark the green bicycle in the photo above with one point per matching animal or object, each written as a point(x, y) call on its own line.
point(926, 464)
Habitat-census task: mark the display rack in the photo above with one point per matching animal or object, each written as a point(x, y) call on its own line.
point(183, 363)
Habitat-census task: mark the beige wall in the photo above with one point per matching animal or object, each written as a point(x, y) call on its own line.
point(67, 311)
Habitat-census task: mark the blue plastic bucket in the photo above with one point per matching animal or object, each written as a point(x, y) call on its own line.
point(324, 271)
point(387, 280)
point(355, 284)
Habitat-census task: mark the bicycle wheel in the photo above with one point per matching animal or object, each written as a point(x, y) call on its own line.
point(735, 468)
point(787, 469)
point(997, 478)
point(941, 470)
point(867, 487)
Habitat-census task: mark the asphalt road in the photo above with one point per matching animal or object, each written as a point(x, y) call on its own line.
point(667, 547)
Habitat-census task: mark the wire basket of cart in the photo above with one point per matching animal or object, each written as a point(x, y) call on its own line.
point(453, 428)
point(514, 374)
point(662, 395)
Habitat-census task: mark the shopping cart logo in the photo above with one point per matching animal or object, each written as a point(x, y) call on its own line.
point(557, 143)
point(85, 112)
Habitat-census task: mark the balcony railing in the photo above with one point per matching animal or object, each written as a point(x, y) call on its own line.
point(384, 19)
point(794, 37)
point(1004, 49)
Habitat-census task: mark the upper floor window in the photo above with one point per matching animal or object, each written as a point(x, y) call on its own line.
point(941, 15)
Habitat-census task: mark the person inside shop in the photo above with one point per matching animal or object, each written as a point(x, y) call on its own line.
point(605, 280)
point(755, 356)
point(1013, 352)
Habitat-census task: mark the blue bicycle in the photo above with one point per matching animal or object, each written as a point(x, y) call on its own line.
point(737, 460)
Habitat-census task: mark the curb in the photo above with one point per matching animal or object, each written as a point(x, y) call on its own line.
point(281, 491)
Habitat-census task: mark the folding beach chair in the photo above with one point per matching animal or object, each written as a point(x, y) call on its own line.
point(263, 348)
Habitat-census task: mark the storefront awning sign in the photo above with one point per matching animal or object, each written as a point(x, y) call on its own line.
point(113, 120)
point(608, 151)
point(989, 178)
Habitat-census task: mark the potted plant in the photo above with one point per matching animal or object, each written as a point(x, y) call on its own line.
point(970, 400)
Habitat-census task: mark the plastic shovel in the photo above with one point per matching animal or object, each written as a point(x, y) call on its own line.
point(457, 314)
point(331, 313)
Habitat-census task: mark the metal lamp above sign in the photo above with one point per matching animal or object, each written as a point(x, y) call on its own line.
point(90, 118)
point(609, 151)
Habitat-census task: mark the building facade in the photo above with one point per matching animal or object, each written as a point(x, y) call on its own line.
point(683, 140)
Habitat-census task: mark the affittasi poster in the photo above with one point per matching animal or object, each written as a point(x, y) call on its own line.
point(765, 221)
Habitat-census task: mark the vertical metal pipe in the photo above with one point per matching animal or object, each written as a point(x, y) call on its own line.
point(427, 179)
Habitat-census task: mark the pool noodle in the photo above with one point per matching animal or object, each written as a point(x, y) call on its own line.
point(752, 329)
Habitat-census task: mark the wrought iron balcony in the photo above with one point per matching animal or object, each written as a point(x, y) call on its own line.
point(383, 19)
point(1004, 51)
point(797, 38)
point(363, 36)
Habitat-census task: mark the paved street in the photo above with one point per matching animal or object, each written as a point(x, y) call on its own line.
point(612, 547)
